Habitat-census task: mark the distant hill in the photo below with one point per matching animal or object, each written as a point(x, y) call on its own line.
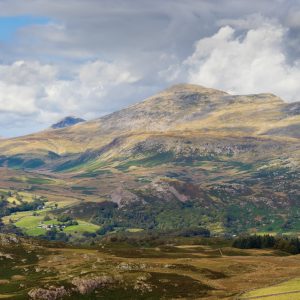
point(187, 156)
point(66, 122)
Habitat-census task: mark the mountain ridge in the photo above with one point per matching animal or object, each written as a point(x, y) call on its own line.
point(179, 108)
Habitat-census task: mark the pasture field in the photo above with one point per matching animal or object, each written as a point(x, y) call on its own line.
point(82, 227)
point(30, 224)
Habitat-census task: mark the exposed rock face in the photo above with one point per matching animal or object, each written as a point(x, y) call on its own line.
point(53, 293)
point(5, 255)
point(131, 266)
point(66, 122)
point(83, 285)
point(122, 197)
point(87, 285)
point(8, 240)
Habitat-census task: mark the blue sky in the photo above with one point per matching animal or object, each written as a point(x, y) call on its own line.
point(10, 25)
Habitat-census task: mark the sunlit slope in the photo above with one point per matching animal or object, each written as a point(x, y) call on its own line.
point(182, 119)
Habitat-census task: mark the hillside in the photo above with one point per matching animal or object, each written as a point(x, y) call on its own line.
point(187, 157)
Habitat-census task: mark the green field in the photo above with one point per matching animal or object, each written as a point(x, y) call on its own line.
point(29, 224)
point(82, 227)
point(16, 216)
point(282, 291)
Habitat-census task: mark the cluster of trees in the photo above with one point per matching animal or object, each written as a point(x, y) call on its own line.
point(27, 206)
point(9, 228)
point(193, 231)
point(287, 244)
point(55, 235)
point(155, 237)
point(67, 220)
point(7, 209)
point(149, 215)
point(105, 229)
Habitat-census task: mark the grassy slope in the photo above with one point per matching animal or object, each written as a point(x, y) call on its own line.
point(284, 287)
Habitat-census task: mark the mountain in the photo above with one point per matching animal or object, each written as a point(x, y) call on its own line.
point(180, 109)
point(187, 156)
point(66, 122)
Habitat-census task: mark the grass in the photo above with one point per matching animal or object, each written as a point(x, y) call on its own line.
point(32, 180)
point(16, 216)
point(29, 224)
point(28, 221)
point(82, 227)
point(13, 200)
point(26, 197)
point(150, 161)
point(135, 230)
point(49, 206)
point(284, 287)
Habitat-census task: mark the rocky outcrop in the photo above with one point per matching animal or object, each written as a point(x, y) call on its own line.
point(53, 293)
point(86, 285)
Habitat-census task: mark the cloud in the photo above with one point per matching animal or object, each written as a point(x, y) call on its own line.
point(31, 90)
point(92, 57)
point(253, 62)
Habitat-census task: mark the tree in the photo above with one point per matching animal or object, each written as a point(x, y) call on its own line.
point(47, 218)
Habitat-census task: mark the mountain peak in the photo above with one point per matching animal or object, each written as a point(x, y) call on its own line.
point(192, 88)
point(67, 121)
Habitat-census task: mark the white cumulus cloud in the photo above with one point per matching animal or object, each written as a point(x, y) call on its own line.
point(41, 93)
point(253, 62)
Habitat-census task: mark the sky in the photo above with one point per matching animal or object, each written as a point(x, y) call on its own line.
point(91, 57)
